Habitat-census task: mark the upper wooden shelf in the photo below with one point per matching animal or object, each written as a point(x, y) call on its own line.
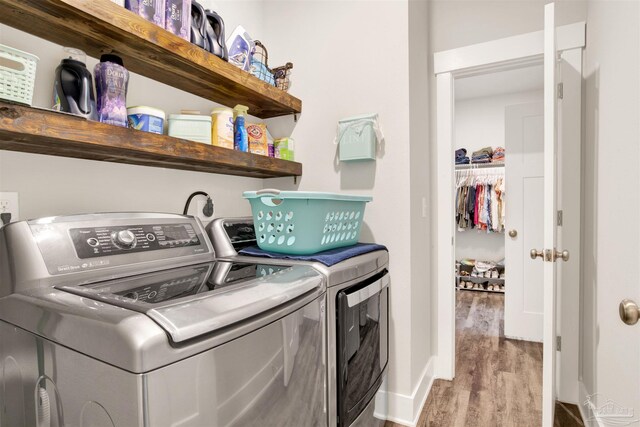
point(34, 130)
point(101, 26)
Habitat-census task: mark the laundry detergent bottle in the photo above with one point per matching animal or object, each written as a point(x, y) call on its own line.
point(73, 86)
point(240, 136)
point(112, 80)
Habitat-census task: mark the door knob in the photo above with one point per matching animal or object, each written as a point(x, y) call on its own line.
point(536, 253)
point(629, 312)
point(513, 233)
point(564, 255)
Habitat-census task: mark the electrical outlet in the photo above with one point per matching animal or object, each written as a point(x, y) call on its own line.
point(9, 203)
point(200, 204)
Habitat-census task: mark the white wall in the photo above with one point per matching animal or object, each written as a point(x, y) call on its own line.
point(422, 362)
point(349, 58)
point(479, 245)
point(50, 185)
point(480, 123)
point(611, 243)
point(352, 57)
point(334, 83)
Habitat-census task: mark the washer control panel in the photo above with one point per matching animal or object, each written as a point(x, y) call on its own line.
point(92, 242)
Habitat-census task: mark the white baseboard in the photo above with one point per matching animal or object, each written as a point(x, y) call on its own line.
point(404, 409)
point(586, 410)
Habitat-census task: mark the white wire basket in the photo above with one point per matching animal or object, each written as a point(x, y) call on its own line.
point(17, 75)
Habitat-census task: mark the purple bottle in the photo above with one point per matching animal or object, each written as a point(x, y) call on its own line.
point(151, 10)
point(112, 80)
point(178, 18)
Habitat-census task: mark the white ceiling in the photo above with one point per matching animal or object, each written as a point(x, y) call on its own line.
point(499, 83)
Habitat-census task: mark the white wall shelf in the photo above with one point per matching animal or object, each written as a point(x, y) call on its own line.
point(479, 166)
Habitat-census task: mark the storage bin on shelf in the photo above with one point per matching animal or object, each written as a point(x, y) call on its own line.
point(17, 75)
point(303, 223)
point(260, 64)
point(283, 76)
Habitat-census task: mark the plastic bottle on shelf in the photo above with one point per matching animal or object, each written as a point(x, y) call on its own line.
point(240, 137)
point(112, 80)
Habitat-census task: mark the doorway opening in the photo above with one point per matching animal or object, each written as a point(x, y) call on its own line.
point(498, 191)
point(517, 52)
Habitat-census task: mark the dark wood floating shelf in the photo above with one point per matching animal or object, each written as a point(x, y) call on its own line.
point(101, 26)
point(33, 130)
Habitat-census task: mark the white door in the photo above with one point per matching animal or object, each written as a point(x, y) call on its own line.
point(548, 253)
point(524, 143)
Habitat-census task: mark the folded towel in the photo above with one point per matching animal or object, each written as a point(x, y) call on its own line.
point(328, 258)
point(461, 157)
point(487, 151)
point(498, 155)
point(481, 158)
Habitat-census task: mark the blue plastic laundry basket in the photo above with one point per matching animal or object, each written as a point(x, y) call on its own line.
point(302, 223)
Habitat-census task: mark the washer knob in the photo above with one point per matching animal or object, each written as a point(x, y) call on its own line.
point(124, 239)
point(93, 242)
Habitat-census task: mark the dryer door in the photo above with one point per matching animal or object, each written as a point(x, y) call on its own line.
point(362, 344)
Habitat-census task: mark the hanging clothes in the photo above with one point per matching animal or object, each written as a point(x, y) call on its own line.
point(480, 200)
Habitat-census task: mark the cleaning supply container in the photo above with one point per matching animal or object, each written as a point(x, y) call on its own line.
point(240, 136)
point(17, 75)
point(112, 81)
point(190, 126)
point(222, 127)
point(146, 119)
point(303, 223)
point(284, 148)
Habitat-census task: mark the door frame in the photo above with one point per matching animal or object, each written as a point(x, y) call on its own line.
point(498, 55)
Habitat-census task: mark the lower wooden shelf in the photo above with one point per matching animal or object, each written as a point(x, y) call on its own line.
point(34, 130)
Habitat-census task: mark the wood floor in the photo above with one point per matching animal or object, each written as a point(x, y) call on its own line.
point(498, 381)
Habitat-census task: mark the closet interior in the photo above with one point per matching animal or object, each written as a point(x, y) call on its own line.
point(480, 207)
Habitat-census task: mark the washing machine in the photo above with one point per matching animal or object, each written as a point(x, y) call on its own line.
point(357, 301)
point(129, 319)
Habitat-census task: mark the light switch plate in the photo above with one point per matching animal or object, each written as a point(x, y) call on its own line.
point(9, 203)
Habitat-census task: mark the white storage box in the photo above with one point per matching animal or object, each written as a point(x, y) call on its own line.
point(192, 127)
